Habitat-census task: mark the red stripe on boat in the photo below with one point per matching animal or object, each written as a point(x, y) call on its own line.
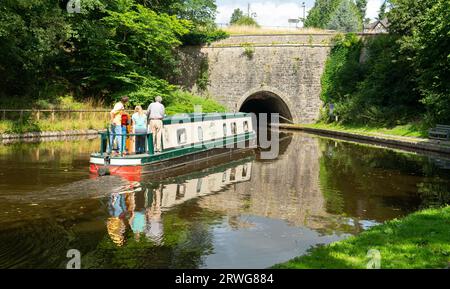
point(131, 173)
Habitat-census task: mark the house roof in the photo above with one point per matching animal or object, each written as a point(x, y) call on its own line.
point(372, 25)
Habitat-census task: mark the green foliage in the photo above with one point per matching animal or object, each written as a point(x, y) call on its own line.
point(238, 18)
point(184, 102)
point(342, 70)
point(398, 78)
point(31, 37)
point(110, 49)
point(405, 15)
point(346, 18)
point(378, 91)
point(246, 21)
point(200, 12)
point(341, 15)
point(382, 11)
point(249, 50)
point(362, 7)
point(203, 35)
point(203, 77)
point(145, 93)
point(424, 29)
point(237, 14)
point(124, 48)
point(320, 14)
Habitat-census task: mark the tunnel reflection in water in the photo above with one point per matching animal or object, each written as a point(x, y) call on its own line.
point(267, 102)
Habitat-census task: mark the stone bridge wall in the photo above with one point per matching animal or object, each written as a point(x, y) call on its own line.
point(289, 66)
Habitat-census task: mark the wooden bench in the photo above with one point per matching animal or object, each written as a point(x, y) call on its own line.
point(440, 132)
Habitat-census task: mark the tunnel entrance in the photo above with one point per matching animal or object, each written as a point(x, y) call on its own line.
point(267, 102)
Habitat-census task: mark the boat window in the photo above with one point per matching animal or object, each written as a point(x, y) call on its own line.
point(212, 130)
point(246, 126)
point(181, 135)
point(244, 171)
point(199, 185)
point(233, 174)
point(224, 129)
point(233, 128)
point(200, 133)
point(181, 191)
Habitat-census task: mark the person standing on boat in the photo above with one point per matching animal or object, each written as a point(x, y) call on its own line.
point(139, 127)
point(126, 128)
point(155, 114)
point(116, 123)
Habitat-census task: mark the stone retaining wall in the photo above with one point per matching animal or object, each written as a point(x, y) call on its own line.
point(45, 134)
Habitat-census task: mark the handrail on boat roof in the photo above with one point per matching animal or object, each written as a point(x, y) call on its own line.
point(193, 117)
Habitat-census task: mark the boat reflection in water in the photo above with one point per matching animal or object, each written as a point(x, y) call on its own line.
point(138, 206)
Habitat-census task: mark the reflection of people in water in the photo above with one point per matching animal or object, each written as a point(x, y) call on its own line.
point(136, 210)
point(115, 224)
point(154, 229)
point(131, 204)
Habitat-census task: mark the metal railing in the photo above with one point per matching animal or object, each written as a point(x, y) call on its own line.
point(108, 138)
point(38, 114)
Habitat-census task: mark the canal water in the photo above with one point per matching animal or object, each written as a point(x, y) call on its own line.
point(246, 213)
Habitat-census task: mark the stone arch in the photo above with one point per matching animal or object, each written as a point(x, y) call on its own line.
point(270, 100)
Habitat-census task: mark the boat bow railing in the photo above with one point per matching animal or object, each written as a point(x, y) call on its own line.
point(107, 141)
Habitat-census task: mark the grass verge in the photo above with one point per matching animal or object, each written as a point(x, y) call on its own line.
point(8, 126)
point(180, 102)
point(420, 240)
point(253, 30)
point(408, 130)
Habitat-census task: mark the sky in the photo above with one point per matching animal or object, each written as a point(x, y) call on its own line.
point(276, 12)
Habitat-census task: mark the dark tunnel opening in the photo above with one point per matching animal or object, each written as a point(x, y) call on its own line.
point(266, 102)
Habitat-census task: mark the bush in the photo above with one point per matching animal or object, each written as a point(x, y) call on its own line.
point(184, 102)
point(246, 21)
point(146, 93)
point(249, 50)
point(175, 100)
point(204, 37)
point(378, 89)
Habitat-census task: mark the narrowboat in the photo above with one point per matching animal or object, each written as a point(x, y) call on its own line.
point(186, 139)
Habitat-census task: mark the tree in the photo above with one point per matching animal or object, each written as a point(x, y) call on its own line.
point(128, 47)
point(238, 18)
point(405, 15)
point(319, 16)
point(237, 14)
point(346, 18)
point(200, 12)
point(382, 11)
point(247, 21)
point(110, 48)
point(362, 6)
point(32, 34)
point(423, 28)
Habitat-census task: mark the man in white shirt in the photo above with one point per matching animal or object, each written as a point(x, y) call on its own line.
point(155, 114)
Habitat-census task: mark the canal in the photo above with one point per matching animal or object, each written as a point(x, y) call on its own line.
point(246, 213)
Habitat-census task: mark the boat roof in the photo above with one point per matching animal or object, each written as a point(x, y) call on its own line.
point(194, 117)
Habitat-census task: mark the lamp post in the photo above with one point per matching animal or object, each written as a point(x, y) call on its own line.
point(304, 13)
